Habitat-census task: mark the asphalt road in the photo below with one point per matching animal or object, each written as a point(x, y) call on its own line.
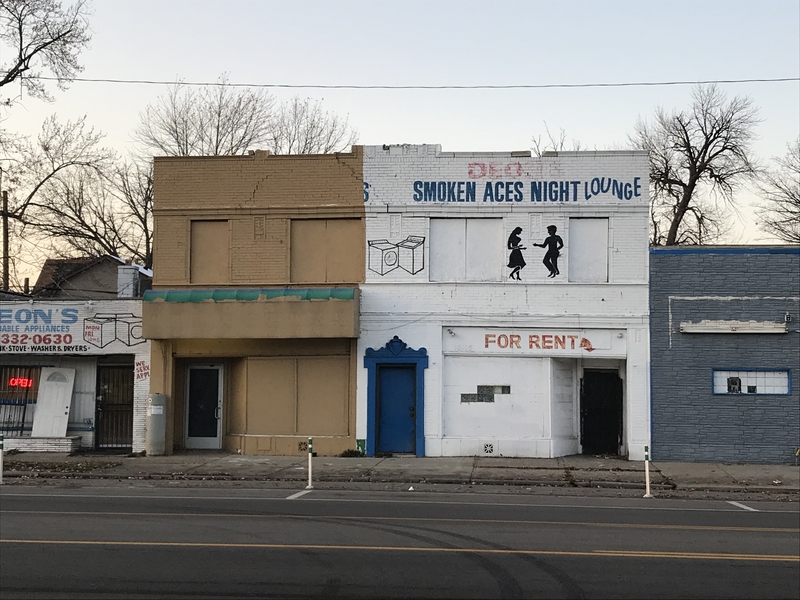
point(240, 543)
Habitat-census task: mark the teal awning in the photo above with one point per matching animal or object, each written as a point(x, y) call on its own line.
point(240, 295)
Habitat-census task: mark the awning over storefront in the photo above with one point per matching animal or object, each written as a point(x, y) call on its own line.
point(251, 313)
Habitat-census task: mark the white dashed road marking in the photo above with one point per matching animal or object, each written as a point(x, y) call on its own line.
point(744, 506)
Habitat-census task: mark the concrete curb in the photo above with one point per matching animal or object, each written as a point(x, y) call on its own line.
point(16, 474)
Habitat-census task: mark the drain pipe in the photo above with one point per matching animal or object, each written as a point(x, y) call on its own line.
point(1, 460)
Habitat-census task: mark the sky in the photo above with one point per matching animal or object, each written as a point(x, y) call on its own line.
point(437, 42)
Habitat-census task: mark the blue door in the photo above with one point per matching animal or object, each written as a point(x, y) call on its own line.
point(397, 409)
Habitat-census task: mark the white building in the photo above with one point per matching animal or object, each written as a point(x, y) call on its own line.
point(471, 344)
point(74, 374)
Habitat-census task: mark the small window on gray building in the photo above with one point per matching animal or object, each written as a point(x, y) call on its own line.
point(763, 381)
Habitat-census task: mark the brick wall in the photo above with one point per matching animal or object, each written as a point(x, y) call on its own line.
point(258, 195)
point(689, 422)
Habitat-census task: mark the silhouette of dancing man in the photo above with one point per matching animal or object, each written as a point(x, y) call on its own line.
point(515, 260)
point(553, 243)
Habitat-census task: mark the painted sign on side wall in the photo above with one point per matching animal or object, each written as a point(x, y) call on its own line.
point(534, 342)
point(70, 328)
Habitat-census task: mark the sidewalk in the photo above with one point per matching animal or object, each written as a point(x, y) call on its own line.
point(569, 472)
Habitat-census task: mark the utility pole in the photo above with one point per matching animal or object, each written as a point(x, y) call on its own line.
point(5, 240)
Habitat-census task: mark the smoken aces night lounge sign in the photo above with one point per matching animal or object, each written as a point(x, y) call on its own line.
point(70, 328)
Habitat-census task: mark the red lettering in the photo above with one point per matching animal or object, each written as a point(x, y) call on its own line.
point(502, 340)
point(547, 342)
point(513, 169)
point(586, 345)
point(572, 339)
point(476, 170)
point(22, 382)
point(533, 342)
point(488, 339)
point(513, 341)
point(561, 341)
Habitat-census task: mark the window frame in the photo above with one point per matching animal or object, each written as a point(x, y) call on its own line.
point(732, 370)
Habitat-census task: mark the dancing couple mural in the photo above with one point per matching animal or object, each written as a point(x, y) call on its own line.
point(516, 261)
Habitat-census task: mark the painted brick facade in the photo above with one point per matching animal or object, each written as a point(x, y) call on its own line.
point(407, 188)
point(257, 261)
point(723, 284)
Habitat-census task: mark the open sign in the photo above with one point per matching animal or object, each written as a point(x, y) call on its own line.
point(20, 382)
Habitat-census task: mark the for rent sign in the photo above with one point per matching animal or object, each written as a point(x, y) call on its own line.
point(535, 342)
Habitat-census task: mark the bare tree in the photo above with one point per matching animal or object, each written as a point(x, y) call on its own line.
point(35, 173)
point(780, 190)
point(43, 38)
point(91, 212)
point(698, 158)
point(552, 143)
point(213, 121)
point(301, 126)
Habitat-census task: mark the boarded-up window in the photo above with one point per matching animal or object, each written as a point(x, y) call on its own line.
point(327, 251)
point(588, 250)
point(304, 395)
point(466, 249)
point(209, 252)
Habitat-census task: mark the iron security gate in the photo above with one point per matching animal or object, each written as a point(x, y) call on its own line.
point(114, 422)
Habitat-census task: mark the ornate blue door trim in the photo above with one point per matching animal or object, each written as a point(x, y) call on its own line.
point(395, 352)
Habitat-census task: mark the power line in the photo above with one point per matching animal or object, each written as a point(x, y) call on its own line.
point(427, 87)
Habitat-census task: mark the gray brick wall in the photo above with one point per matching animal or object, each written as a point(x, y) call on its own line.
point(689, 422)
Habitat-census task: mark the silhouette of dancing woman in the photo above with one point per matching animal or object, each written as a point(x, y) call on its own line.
point(553, 243)
point(515, 260)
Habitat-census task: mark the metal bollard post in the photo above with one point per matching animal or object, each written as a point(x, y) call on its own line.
point(647, 493)
point(310, 454)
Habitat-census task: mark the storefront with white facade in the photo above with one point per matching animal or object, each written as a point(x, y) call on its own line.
point(505, 308)
point(74, 374)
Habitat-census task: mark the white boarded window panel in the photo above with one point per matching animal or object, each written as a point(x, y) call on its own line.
point(447, 252)
point(485, 249)
point(466, 249)
point(588, 250)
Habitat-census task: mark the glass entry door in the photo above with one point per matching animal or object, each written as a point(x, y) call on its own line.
point(203, 422)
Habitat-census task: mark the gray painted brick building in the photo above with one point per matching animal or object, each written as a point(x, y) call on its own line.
point(725, 353)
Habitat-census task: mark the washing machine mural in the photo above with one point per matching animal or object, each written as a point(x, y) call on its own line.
point(407, 254)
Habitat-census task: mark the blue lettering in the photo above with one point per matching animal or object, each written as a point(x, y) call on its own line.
point(5, 315)
point(637, 187)
point(441, 191)
point(499, 196)
point(563, 190)
point(552, 191)
point(24, 315)
point(603, 187)
point(488, 192)
point(69, 316)
point(44, 317)
point(628, 191)
point(616, 189)
point(451, 191)
point(518, 191)
point(470, 191)
point(595, 186)
point(417, 192)
point(536, 191)
point(574, 185)
point(460, 191)
point(429, 191)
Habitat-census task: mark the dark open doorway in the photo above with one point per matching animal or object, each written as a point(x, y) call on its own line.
point(601, 411)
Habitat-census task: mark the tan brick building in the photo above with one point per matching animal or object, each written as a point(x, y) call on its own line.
point(253, 314)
